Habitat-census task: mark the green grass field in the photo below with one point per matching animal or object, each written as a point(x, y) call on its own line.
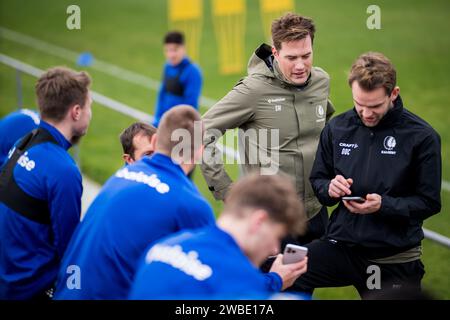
point(414, 35)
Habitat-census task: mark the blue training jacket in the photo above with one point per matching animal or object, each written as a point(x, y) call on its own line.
point(205, 264)
point(191, 81)
point(141, 203)
point(30, 252)
point(13, 127)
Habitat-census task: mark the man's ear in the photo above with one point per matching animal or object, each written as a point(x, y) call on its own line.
point(153, 141)
point(394, 94)
point(127, 158)
point(274, 52)
point(75, 112)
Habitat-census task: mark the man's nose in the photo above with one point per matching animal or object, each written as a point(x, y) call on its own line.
point(299, 65)
point(367, 113)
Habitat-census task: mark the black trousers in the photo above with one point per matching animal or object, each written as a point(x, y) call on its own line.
point(333, 264)
point(315, 229)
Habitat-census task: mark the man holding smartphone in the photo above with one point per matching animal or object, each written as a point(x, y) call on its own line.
point(392, 159)
point(220, 262)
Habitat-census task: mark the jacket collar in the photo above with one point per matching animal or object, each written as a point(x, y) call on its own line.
point(165, 161)
point(59, 137)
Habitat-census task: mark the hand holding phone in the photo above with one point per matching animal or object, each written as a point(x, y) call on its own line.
point(357, 199)
point(293, 253)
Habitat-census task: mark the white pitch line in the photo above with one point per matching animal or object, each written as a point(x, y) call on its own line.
point(99, 65)
point(90, 191)
point(432, 235)
point(446, 185)
point(97, 97)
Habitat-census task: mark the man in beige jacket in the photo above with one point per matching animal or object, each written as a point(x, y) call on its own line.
point(280, 108)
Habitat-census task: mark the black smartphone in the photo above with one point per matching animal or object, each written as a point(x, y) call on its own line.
point(357, 199)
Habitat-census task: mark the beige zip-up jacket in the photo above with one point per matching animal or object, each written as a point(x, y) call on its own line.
point(264, 100)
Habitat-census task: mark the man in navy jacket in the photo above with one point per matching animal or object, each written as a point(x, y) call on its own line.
point(40, 188)
point(392, 159)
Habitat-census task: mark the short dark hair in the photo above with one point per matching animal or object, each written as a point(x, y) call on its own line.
point(180, 117)
point(291, 27)
point(60, 88)
point(127, 135)
point(373, 70)
point(176, 37)
point(275, 194)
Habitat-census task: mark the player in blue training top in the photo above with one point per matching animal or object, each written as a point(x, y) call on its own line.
point(13, 127)
point(40, 188)
point(182, 79)
point(140, 204)
point(221, 262)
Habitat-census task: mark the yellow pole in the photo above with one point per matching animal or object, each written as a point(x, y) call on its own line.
point(187, 16)
point(229, 26)
point(271, 10)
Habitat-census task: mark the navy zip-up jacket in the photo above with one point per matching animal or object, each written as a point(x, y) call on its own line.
point(30, 252)
point(399, 159)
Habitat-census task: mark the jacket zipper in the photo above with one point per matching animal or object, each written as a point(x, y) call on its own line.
point(369, 156)
point(366, 174)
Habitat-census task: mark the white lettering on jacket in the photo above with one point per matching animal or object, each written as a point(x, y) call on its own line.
point(140, 177)
point(177, 258)
point(26, 162)
point(276, 100)
point(348, 145)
